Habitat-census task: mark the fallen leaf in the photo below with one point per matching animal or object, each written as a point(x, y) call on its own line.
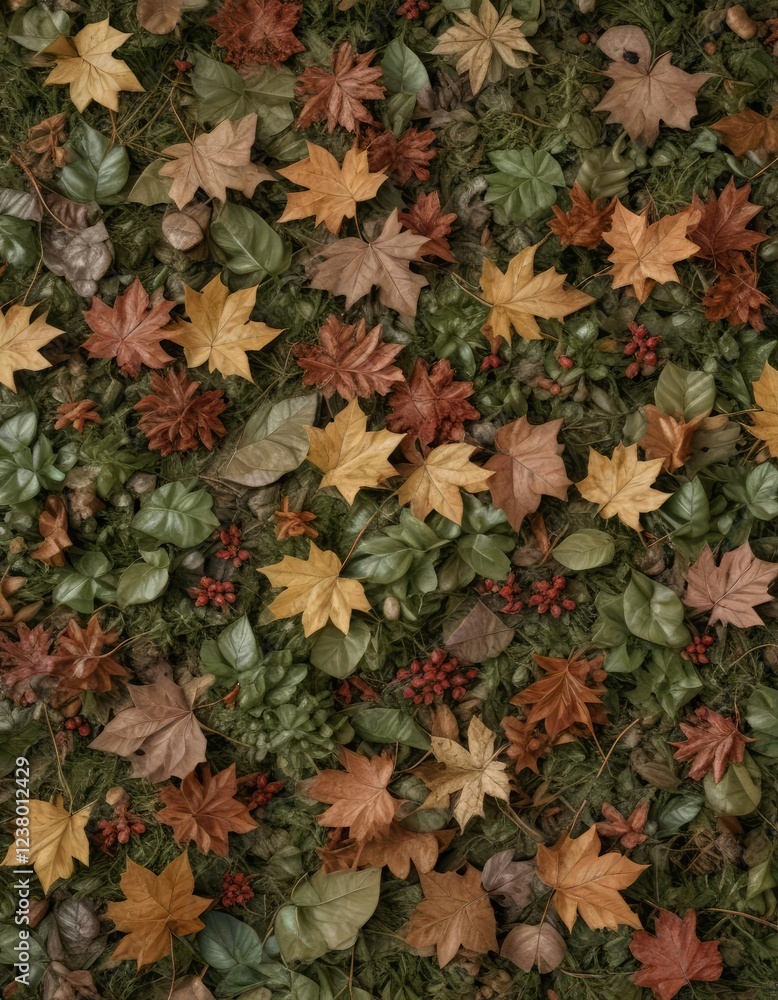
point(731, 590)
point(75, 244)
point(584, 223)
point(158, 16)
point(257, 31)
point(675, 956)
point(315, 588)
point(350, 456)
point(471, 773)
point(508, 881)
point(396, 847)
point(178, 416)
point(431, 406)
point(454, 913)
point(527, 743)
point(627, 830)
point(24, 661)
point(85, 62)
point(764, 422)
point(131, 330)
point(587, 884)
point(337, 96)
point(712, 743)
point(647, 92)
point(527, 466)
point(53, 525)
point(722, 226)
point(193, 988)
point(534, 945)
point(749, 130)
point(82, 661)
point(219, 330)
point(215, 161)
point(424, 218)
point(564, 698)
point(160, 734)
point(56, 838)
point(357, 796)
point(21, 340)
point(480, 635)
point(351, 267)
point(668, 438)
point(205, 811)
point(621, 484)
point(349, 360)
point(483, 43)
point(644, 254)
point(519, 296)
point(736, 298)
point(155, 908)
point(433, 481)
point(333, 190)
point(403, 158)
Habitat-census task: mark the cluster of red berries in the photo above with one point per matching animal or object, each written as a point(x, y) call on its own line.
point(264, 791)
point(77, 724)
point(231, 538)
point(119, 830)
point(643, 348)
point(429, 679)
point(236, 890)
point(413, 9)
point(697, 650)
point(510, 591)
point(217, 593)
point(546, 595)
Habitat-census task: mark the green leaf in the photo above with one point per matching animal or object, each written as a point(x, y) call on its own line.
point(404, 72)
point(388, 725)
point(525, 184)
point(18, 432)
point(761, 492)
point(246, 244)
point(99, 170)
point(668, 680)
point(176, 515)
point(89, 580)
point(18, 732)
point(653, 612)
point(145, 581)
point(486, 554)
point(337, 654)
point(623, 660)
point(740, 790)
point(150, 188)
point(222, 94)
point(226, 942)
point(585, 549)
point(762, 716)
point(688, 514)
point(610, 629)
point(274, 441)
point(684, 394)
point(326, 913)
point(19, 245)
point(35, 29)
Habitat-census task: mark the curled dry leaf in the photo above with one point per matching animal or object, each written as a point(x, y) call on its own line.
point(627, 830)
point(78, 250)
point(53, 525)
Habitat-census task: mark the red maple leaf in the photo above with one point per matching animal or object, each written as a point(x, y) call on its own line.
point(721, 232)
point(337, 96)
point(736, 298)
point(675, 956)
point(585, 222)
point(628, 830)
point(80, 661)
point(24, 661)
point(349, 360)
point(130, 330)
point(176, 418)
point(431, 405)
point(257, 31)
point(424, 218)
point(712, 743)
point(403, 158)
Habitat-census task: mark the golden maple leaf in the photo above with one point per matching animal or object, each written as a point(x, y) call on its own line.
point(765, 420)
point(351, 456)
point(56, 838)
point(434, 481)
point(215, 161)
point(621, 484)
point(470, 773)
point(219, 330)
point(483, 43)
point(519, 295)
point(333, 190)
point(315, 588)
point(86, 63)
point(644, 254)
point(20, 340)
point(587, 884)
point(154, 909)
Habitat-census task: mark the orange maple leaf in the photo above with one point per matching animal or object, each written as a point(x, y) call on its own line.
point(357, 796)
point(584, 222)
point(564, 698)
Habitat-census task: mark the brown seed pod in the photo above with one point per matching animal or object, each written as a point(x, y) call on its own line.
point(741, 23)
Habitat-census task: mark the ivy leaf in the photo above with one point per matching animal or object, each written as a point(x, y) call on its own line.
point(145, 581)
point(177, 515)
point(653, 612)
point(339, 654)
point(99, 171)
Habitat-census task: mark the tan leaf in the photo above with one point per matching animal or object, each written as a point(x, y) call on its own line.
point(529, 945)
point(56, 838)
point(765, 420)
point(621, 484)
point(668, 438)
point(357, 796)
point(53, 525)
point(433, 482)
point(749, 130)
point(730, 590)
point(20, 342)
point(159, 16)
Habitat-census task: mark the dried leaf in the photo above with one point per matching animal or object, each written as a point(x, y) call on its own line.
point(82, 661)
point(584, 223)
point(131, 330)
point(749, 130)
point(433, 481)
point(78, 251)
point(337, 96)
point(257, 31)
point(21, 340)
point(564, 699)
point(731, 590)
point(628, 831)
point(712, 743)
point(357, 796)
point(668, 438)
point(431, 406)
point(158, 16)
point(736, 298)
point(765, 420)
point(675, 956)
point(403, 158)
point(530, 945)
point(425, 219)
point(56, 838)
point(24, 661)
point(508, 881)
point(53, 525)
point(480, 635)
point(722, 226)
point(621, 484)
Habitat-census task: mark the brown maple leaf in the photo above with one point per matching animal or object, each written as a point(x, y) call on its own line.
point(130, 330)
point(394, 848)
point(712, 743)
point(403, 158)
point(431, 406)
point(425, 219)
point(337, 96)
point(584, 222)
point(257, 31)
point(722, 226)
point(675, 956)
point(178, 417)
point(668, 438)
point(349, 360)
point(82, 659)
point(627, 830)
point(24, 661)
point(53, 525)
point(205, 811)
point(527, 743)
point(736, 298)
point(357, 796)
point(731, 590)
point(294, 523)
point(749, 130)
point(454, 913)
point(569, 696)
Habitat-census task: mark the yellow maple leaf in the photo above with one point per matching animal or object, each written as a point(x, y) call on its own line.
point(587, 883)
point(765, 421)
point(470, 773)
point(433, 482)
point(333, 190)
point(20, 340)
point(219, 330)
point(520, 295)
point(215, 161)
point(315, 588)
point(644, 254)
point(56, 838)
point(86, 63)
point(351, 456)
point(621, 484)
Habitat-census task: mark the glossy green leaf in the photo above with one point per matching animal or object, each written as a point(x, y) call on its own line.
point(90, 580)
point(222, 94)
point(339, 654)
point(99, 170)
point(740, 790)
point(525, 183)
point(684, 394)
point(486, 554)
point(38, 27)
point(144, 581)
point(150, 188)
point(274, 441)
point(653, 612)
point(388, 725)
point(18, 241)
point(585, 549)
point(688, 514)
point(226, 942)
point(404, 72)
point(18, 432)
point(177, 515)
point(246, 244)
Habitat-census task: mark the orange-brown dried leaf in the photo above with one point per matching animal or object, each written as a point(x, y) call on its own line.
point(568, 696)
point(527, 744)
point(584, 222)
point(337, 97)
point(668, 438)
point(736, 298)
point(77, 415)
point(627, 830)
point(749, 130)
point(257, 31)
point(431, 406)
point(294, 523)
point(53, 525)
point(712, 743)
point(425, 219)
point(24, 661)
point(394, 848)
point(721, 233)
point(82, 660)
point(403, 158)
point(674, 957)
point(357, 796)
point(178, 417)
